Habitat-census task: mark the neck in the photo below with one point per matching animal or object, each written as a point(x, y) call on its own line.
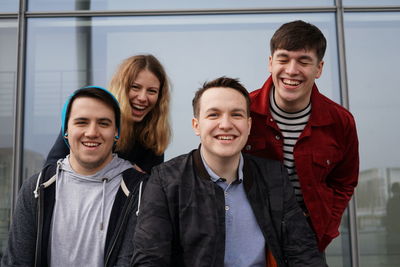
point(292, 106)
point(85, 168)
point(226, 168)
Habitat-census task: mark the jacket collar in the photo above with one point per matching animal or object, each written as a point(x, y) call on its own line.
point(201, 171)
point(319, 115)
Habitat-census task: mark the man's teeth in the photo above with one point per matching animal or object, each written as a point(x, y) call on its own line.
point(291, 82)
point(91, 144)
point(225, 137)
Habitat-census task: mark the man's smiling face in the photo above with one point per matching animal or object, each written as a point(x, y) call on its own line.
point(293, 74)
point(223, 123)
point(91, 132)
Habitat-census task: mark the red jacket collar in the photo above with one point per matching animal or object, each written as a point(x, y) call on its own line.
point(319, 114)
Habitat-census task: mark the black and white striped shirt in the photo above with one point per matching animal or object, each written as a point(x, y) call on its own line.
point(291, 126)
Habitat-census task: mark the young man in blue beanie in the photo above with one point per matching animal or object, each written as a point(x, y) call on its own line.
point(81, 211)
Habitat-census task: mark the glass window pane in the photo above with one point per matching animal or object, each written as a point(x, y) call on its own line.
point(8, 78)
point(379, 3)
point(338, 252)
point(64, 54)
point(51, 5)
point(372, 42)
point(9, 6)
point(67, 53)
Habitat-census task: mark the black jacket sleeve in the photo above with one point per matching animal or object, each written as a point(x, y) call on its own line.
point(153, 233)
point(21, 245)
point(59, 151)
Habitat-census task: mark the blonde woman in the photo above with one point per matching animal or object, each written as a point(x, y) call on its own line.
point(142, 89)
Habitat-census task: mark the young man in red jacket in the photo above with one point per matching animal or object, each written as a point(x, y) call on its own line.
point(314, 137)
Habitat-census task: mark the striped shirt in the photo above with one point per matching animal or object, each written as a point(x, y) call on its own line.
point(291, 126)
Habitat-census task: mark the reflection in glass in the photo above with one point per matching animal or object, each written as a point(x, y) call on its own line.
point(8, 78)
point(63, 5)
point(371, 46)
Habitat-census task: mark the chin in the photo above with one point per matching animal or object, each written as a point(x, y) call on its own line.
point(137, 119)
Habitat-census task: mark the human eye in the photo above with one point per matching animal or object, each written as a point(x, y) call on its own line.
point(80, 122)
point(282, 60)
point(237, 115)
point(212, 115)
point(104, 123)
point(304, 62)
point(152, 91)
point(135, 87)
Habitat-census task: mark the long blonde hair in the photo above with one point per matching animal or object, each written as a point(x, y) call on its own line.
point(154, 130)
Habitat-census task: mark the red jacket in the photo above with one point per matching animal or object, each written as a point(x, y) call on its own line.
point(326, 157)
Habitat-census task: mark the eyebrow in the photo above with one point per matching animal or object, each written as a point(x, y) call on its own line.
point(233, 110)
point(304, 57)
point(86, 119)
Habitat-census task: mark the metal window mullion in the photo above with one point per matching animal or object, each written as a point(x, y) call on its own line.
point(344, 90)
point(17, 162)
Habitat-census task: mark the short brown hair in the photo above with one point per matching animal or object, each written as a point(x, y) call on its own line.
point(220, 82)
point(297, 35)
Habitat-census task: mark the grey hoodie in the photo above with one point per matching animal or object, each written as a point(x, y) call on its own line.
point(81, 213)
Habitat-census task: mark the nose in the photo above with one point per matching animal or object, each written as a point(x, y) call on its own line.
point(292, 67)
point(92, 130)
point(141, 96)
point(225, 123)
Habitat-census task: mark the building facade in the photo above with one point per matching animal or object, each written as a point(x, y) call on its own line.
point(50, 48)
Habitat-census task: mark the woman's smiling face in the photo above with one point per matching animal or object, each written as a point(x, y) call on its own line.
point(143, 94)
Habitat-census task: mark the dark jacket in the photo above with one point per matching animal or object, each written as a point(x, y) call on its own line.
point(326, 156)
point(182, 219)
point(140, 155)
point(28, 242)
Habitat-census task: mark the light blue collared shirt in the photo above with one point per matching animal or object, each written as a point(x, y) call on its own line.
point(244, 241)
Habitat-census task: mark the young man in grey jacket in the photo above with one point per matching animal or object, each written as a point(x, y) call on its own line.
point(81, 211)
point(218, 207)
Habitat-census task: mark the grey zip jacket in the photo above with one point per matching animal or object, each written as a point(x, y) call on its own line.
point(30, 232)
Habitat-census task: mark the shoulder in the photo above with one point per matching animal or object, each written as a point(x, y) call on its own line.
point(144, 157)
point(261, 161)
point(255, 93)
point(130, 175)
point(172, 170)
point(263, 165)
point(338, 112)
point(174, 163)
point(43, 176)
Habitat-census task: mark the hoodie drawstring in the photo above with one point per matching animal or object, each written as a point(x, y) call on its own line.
point(47, 183)
point(105, 180)
point(139, 197)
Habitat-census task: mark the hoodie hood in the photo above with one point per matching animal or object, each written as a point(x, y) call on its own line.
point(114, 168)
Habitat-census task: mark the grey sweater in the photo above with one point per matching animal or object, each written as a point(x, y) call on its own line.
point(81, 213)
point(29, 244)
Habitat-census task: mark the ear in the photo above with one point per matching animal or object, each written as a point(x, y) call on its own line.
point(249, 121)
point(270, 63)
point(195, 126)
point(66, 135)
point(319, 69)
